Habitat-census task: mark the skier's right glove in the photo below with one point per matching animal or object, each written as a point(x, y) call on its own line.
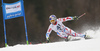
point(75, 17)
point(47, 40)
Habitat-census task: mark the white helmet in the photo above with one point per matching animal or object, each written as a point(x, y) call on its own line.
point(52, 18)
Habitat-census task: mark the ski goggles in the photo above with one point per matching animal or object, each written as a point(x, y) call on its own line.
point(52, 20)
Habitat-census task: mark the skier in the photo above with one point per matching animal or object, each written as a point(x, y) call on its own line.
point(61, 30)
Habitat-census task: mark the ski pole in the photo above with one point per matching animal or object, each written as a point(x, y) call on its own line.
point(81, 15)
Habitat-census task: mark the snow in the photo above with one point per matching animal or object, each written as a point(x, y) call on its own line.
point(81, 45)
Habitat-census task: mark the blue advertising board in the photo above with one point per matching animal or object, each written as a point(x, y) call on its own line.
point(13, 10)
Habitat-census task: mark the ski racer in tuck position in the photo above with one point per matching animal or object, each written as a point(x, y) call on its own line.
point(61, 30)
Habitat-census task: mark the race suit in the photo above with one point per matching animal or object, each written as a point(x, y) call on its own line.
point(62, 30)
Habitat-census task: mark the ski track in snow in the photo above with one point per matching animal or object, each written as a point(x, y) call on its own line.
point(81, 45)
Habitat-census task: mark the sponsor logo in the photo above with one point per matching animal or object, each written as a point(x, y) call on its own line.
point(13, 7)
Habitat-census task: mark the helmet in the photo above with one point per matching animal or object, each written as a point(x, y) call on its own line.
point(52, 18)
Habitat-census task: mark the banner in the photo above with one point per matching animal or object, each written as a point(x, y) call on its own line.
point(13, 10)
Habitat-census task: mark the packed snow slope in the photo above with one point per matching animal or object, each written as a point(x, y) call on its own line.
point(81, 45)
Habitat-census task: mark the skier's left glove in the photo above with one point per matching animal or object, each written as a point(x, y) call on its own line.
point(75, 17)
point(47, 40)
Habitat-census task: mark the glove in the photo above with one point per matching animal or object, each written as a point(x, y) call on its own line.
point(75, 17)
point(47, 40)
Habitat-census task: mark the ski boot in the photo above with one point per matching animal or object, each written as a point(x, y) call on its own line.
point(87, 36)
point(68, 38)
